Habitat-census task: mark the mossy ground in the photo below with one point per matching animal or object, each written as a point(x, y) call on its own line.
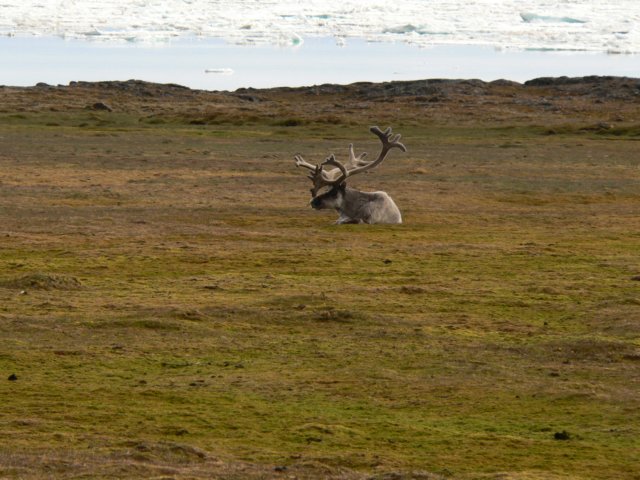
point(200, 320)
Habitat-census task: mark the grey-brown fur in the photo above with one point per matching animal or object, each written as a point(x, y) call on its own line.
point(355, 206)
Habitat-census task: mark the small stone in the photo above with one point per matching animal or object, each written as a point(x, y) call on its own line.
point(102, 106)
point(280, 468)
point(563, 435)
point(13, 377)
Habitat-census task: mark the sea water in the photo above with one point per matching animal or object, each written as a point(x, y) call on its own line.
point(221, 44)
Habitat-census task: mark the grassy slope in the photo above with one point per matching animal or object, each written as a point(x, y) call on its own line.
point(222, 327)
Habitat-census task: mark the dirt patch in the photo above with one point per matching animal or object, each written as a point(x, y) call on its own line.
point(169, 452)
point(43, 281)
point(160, 460)
point(591, 350)
point(412, 290)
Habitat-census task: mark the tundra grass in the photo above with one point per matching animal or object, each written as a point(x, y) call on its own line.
point(170, 305)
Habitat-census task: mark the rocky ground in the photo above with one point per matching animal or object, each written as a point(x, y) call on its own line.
point(608, 101)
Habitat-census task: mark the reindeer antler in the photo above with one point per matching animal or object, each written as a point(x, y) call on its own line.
point(387, 144)
point(338, 175)
point(319, 176)
point(355, 161)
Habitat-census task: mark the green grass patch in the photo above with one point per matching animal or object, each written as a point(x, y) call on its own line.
point(171, 306)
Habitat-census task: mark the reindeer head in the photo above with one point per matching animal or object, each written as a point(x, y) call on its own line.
point(336, 177)
point(333, 198)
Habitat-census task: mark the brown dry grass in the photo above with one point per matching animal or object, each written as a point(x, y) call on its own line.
point(171, 308)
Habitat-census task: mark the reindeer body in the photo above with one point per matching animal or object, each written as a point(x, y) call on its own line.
point(355, 206)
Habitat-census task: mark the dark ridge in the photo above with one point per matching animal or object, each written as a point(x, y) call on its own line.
point(591, 79)
point(387, 89)
point(424, 87)
point(598, 87)
point(137, 87)
point(127, 85)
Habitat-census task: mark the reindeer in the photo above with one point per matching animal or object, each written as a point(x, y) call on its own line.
point(353, 205)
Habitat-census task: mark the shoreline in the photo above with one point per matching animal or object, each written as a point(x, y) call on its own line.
point(214, 65)
point(394, 87)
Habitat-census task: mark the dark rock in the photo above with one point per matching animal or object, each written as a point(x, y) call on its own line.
point(325, 89)
point(543, 81)
point(563, 435)
point(101, 106)
point(135, 87)
point(280, 468)
point(246, 90)
point(564, 80)
point(597, 87)
point(13, 377)
point(248, 98)
point(504, 83)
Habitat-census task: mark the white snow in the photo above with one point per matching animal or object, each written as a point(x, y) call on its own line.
point(572, 25)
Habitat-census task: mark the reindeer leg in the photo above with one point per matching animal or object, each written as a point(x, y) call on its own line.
point(343, 219)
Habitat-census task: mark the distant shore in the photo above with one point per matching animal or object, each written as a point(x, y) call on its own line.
point(215, 65)
point(602, 104)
